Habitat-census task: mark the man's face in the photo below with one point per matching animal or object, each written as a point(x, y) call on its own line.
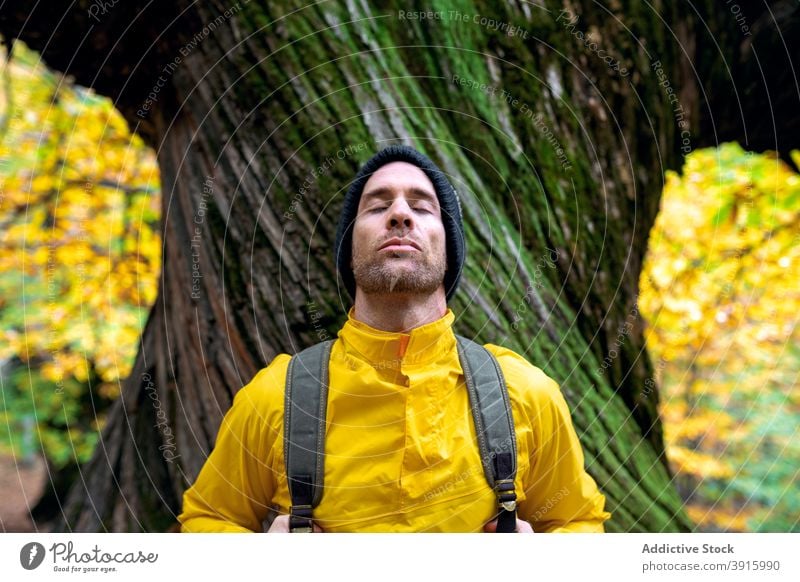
point(398, 235)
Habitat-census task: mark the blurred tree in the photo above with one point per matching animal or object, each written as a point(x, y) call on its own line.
point(79, 261)
point(556, 133)
point(721, 295)
point(77, 214)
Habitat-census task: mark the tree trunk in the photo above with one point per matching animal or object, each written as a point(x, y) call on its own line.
point(261, 116)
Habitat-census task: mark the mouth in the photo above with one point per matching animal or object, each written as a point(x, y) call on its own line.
point(399, 245)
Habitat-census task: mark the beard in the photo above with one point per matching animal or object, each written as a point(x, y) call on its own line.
point(415, 273)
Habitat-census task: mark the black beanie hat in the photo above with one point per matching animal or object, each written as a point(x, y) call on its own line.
point(448, 202)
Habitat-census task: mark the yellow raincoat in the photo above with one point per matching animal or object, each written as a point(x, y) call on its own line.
point(401, 451)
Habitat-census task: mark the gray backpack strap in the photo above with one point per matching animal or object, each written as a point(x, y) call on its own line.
point(494, 424)
point(304, 431)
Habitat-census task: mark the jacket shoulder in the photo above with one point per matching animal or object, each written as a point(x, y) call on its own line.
point(265, 392)
point(527, 384)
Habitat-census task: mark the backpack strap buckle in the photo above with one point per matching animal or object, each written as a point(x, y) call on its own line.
point(300, 519)
point(301, 509)
point(506, 496)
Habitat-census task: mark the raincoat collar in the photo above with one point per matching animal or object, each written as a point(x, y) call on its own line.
point(422, 345)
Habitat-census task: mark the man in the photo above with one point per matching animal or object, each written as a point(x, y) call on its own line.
point(401, 452)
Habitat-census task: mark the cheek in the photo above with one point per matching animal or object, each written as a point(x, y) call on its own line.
point(356, 241)
point(441, 238)
point(361, 233)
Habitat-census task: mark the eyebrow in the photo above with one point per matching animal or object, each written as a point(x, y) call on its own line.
point(386, 191)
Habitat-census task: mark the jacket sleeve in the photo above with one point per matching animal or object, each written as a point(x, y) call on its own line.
point(561, 495)
point(234, 489)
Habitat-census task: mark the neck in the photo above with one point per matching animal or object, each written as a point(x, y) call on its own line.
point(397, 312)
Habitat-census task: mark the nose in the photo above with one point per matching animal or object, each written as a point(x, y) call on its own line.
point(400, 216)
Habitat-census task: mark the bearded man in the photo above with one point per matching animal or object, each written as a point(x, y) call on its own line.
point(398, 424)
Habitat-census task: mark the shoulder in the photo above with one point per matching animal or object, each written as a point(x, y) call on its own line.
point(528, 386)
point(265, 392)
point(536, 399)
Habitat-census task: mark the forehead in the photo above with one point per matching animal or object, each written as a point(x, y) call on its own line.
point(397, 177)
